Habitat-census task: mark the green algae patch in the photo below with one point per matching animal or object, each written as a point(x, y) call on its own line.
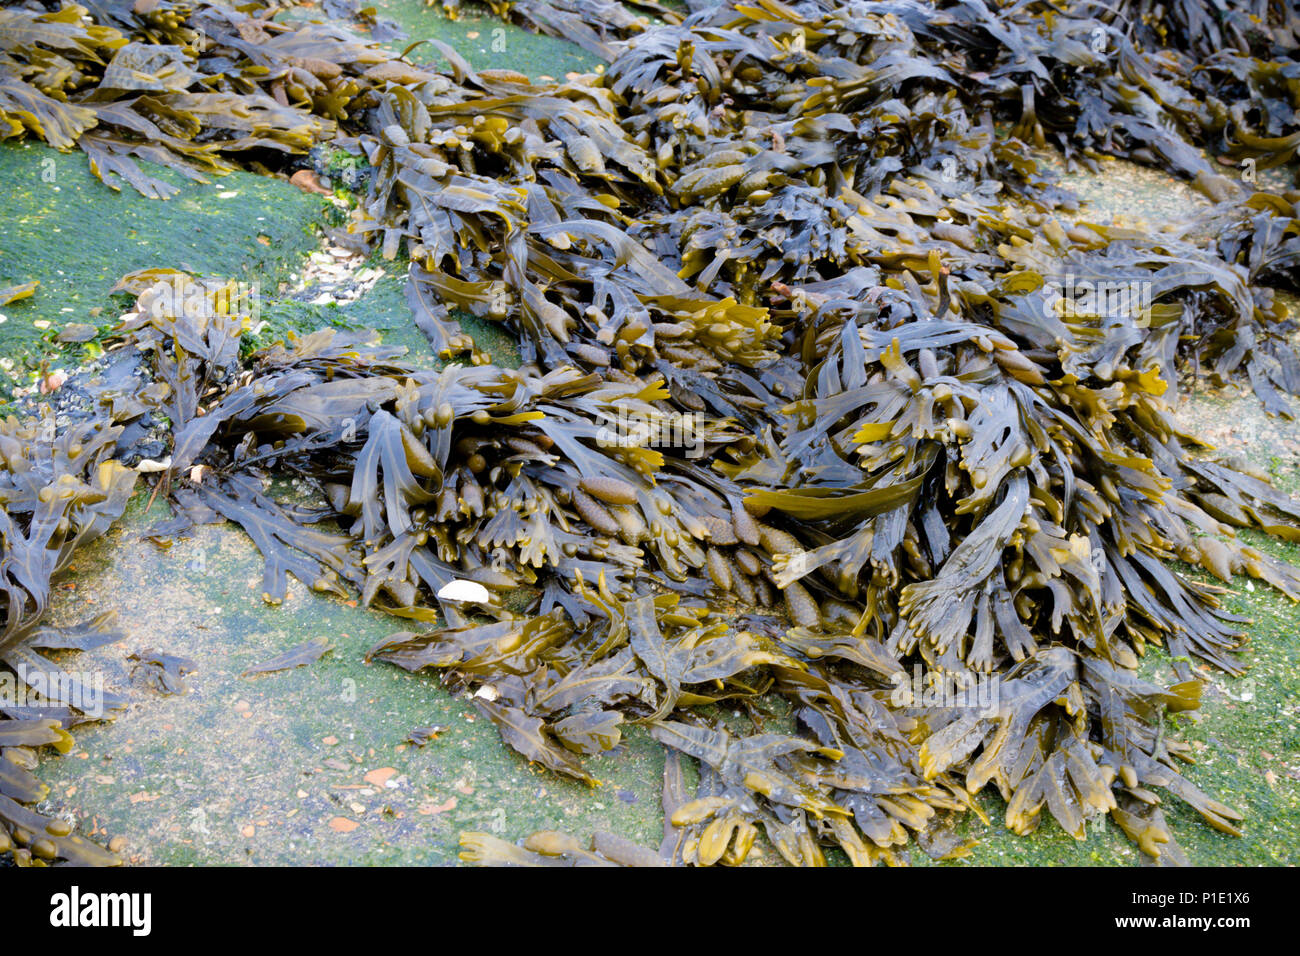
point(382, 308)
point(77, 237)
point(311, 765)
point(385, 309)
point(485, 41)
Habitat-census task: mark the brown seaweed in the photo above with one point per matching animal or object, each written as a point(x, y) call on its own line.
point(161, 671)
point(305, 653)
point(804, 407)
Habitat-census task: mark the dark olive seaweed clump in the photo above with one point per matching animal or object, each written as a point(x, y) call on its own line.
point(812, 398)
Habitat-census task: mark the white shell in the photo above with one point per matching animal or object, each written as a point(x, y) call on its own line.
point(149, 465)
point(469, 592)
